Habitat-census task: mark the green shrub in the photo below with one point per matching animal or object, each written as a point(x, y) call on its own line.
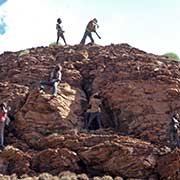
point(172, 55)
point(24, 52)
point(52, 44)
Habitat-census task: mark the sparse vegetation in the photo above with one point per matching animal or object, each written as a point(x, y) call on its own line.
point(52, 44)
point(172, 55)
point(24, 52)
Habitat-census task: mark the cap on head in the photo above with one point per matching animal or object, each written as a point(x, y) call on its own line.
point(59, 20)
point(95, 20)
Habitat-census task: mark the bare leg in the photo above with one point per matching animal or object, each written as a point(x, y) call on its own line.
point(57, 39)
point(62, 36)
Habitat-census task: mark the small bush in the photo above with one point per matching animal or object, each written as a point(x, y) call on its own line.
point(172, 55)
point(24, 52)
point(52, 44)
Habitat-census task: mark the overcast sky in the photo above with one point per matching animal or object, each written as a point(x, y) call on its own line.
point(150, 25)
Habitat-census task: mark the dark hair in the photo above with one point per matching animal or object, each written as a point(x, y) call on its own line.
point(96, 95)
point(95, 20)
point(58, 67)
point(4, 104)
point(59, 20)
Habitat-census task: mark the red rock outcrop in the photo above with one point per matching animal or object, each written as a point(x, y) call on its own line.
point(168, 166)
point(139, 92)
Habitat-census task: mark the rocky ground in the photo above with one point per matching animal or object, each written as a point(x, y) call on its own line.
point(46, 139)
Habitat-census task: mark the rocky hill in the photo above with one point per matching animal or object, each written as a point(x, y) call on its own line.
point(139, 92)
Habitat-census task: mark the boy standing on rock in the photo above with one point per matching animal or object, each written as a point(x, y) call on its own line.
point(55, 78)
point(60, 32)
point(94, 111)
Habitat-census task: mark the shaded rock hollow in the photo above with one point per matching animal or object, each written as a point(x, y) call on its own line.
point(139, 92)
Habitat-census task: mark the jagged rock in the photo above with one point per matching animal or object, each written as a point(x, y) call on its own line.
point(121, 156)
point(14, 94)
point(169, 165)
point(138, 97)
point(14, 161)
point(109, 153)
point(57, 161)
point(42, 114)
point(139, 92)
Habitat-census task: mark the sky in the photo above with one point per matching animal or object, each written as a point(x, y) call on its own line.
point(150, 25)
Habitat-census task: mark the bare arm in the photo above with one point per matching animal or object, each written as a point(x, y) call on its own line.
point(5, 110)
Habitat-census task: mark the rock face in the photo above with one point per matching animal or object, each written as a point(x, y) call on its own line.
point(168, 166)
point(139, 93)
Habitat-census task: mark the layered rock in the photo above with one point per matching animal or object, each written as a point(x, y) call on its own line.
point(43, 114)
point(139, 92)
point(91, 154)
point(168, 166)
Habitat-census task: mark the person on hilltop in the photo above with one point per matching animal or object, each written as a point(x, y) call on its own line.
point(4, 120)
point(174, 137)
point(55, 78)
point(91, 27)
point(94, 111)
point(60, 32)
